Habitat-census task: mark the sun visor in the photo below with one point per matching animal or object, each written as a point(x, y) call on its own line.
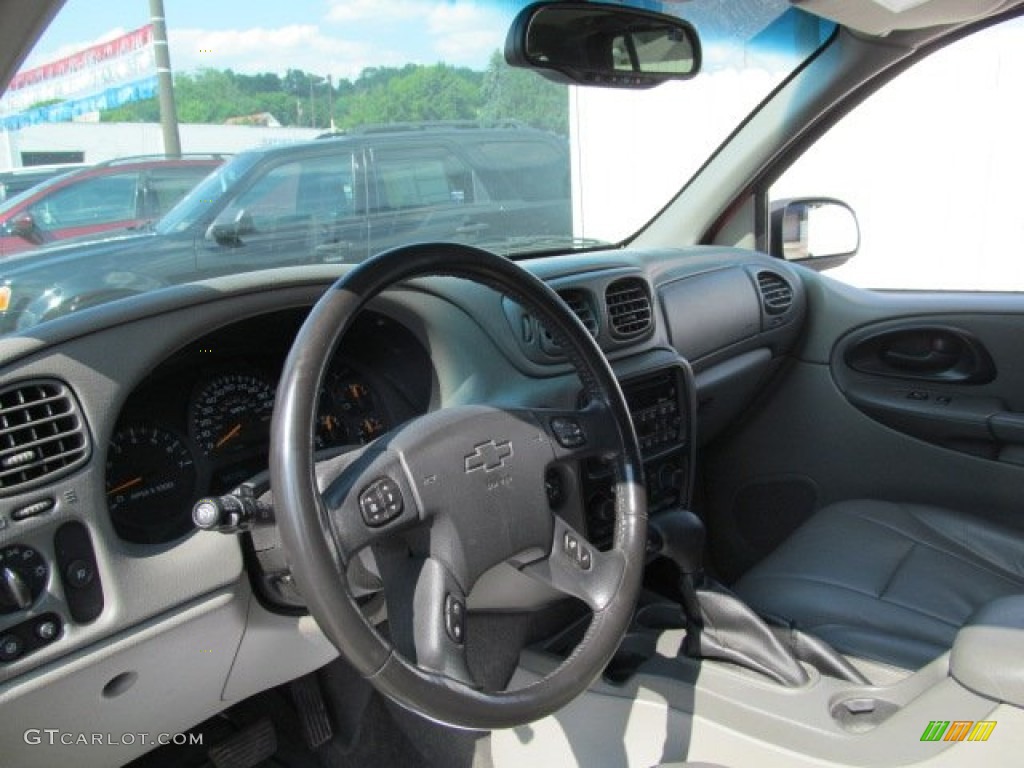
point(880, 17)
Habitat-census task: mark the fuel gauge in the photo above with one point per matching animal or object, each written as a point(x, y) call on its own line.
point(371, 428)
point(350, 410)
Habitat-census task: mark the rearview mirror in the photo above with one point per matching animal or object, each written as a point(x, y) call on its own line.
point(603, 45)
point(819, 232)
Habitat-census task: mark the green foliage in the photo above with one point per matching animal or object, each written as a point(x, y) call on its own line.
point(524, 95)
point(45, 103)
point(413, 93)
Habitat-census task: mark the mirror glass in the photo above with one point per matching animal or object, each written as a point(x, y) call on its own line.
point(816, 229)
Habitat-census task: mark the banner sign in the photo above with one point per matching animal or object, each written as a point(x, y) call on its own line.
point(102, 76)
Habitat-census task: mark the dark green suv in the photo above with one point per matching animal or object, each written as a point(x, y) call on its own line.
point(334, 199)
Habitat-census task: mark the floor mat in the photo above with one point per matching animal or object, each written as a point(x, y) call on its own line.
point(386, 736)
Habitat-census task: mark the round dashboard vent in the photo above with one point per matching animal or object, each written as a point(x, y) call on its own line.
point(776, 292)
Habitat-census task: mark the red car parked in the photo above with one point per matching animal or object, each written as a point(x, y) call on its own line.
point(116, 194)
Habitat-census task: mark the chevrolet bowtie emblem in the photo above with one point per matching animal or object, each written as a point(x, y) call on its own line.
point(488, 456)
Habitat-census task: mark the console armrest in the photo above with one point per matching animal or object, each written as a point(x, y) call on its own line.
point(987, 652)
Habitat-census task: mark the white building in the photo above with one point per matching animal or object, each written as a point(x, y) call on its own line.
point(95, 142)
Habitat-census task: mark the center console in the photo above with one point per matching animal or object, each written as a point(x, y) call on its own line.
point(660, 404)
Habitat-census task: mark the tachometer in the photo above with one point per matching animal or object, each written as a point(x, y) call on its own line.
point(231, 413)
point(151, 484)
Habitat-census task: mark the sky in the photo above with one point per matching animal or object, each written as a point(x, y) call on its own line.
point(319, 36)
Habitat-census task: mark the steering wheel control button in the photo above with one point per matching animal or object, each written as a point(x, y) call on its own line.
point(568, 432)
point(381, 502)
point(585, 559)
point(76, 564)
point(11, 647)
point(577, 551)
point(571, 544)
point(455, 619)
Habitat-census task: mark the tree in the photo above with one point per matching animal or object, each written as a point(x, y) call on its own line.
point(380, 95)
point(412, 94)
point(519, 94)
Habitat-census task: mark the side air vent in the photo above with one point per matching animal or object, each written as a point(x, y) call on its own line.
point(42, 433)
point(580, 304)
point(629, 308)
point(776, 292)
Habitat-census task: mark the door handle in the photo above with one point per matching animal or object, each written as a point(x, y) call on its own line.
point(931, 361)
point(939, 354)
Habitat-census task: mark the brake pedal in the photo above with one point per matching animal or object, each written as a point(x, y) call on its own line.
point(312, 709)
point(246, 749)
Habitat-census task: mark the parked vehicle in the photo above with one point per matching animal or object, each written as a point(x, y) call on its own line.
point(336, 199)
point(17, 180)
point(116, 194)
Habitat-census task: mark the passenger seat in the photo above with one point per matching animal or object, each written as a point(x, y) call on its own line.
point(886, 581)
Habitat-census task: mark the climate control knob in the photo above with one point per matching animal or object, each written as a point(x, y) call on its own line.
point(23, 573)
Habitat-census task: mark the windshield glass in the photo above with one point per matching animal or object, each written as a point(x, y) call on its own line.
point(194, 208)
point(359, 126)
point(15, 201)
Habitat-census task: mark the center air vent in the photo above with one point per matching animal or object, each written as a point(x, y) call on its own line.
point(776, 293)
point(41, 433)
point(629, 307)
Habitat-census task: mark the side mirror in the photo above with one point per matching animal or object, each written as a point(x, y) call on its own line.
point(603, 45)
point(819, 232)
point(23, 225)
point(229, 228)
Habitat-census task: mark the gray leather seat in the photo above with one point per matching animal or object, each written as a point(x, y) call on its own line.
point(886, 581)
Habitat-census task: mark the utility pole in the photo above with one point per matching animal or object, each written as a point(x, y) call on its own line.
point(312, 106)
point(165, 84)
point(330, 103)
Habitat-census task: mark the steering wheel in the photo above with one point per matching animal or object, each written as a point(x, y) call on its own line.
point(449, 495)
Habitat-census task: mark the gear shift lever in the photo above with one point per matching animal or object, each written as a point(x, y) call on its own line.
point(721, 626)
point(679, 535)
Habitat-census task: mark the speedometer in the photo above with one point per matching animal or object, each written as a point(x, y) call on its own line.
point(231, 414)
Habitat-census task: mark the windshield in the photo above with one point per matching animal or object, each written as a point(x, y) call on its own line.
point(365, 125)
point(16, 201)
point(195, 206)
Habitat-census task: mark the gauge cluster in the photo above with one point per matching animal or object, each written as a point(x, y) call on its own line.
point(201, 423)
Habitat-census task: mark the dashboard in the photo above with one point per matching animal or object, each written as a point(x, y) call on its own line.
point(158, 400)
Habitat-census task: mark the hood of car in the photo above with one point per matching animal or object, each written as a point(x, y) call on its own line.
point(85, 251)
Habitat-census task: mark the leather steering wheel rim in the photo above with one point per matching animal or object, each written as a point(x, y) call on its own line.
point(316, 558)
